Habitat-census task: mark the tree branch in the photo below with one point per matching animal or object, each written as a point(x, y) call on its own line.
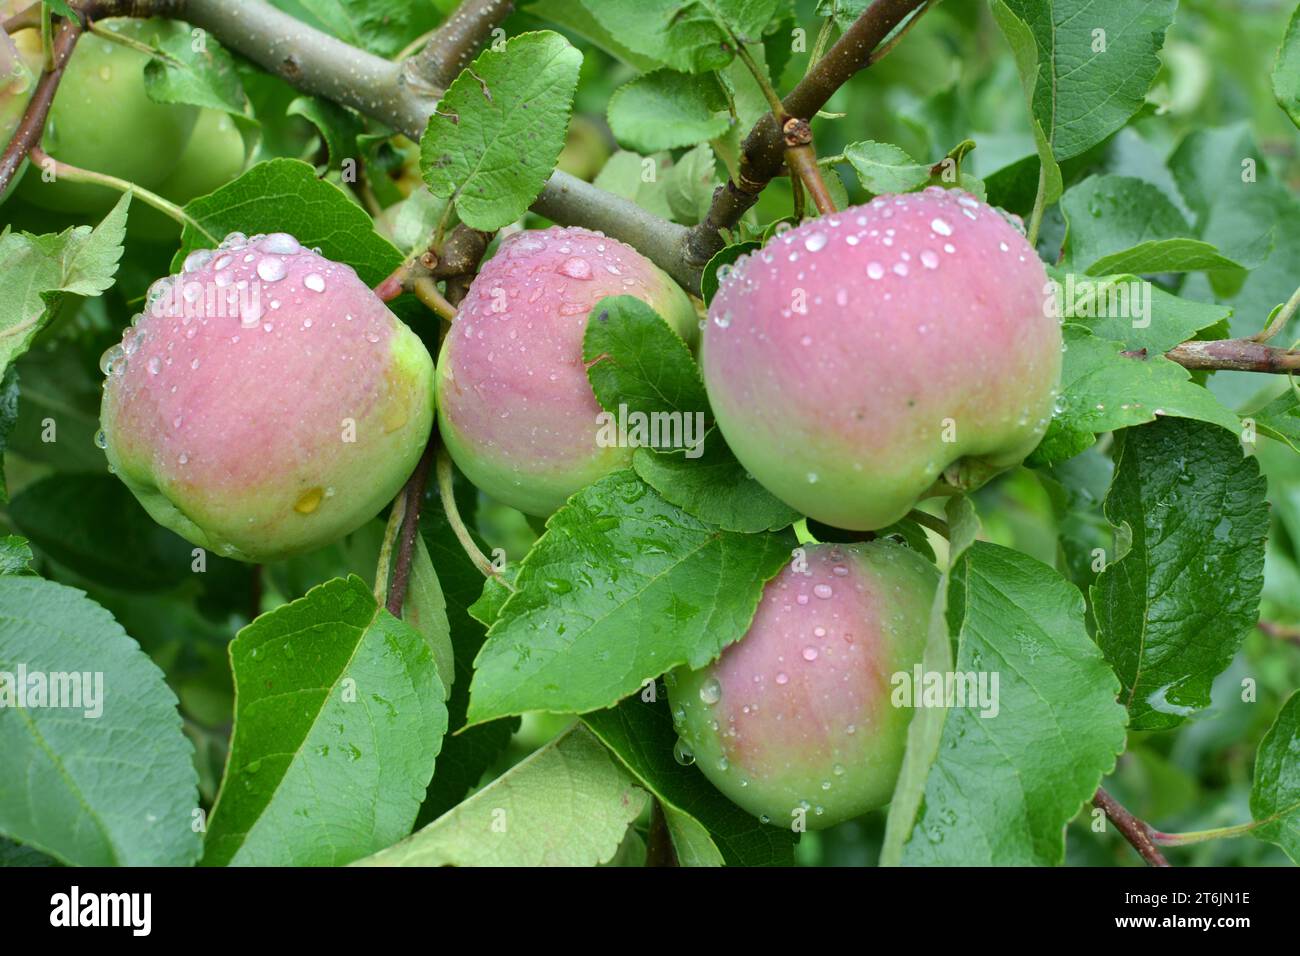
point(1134, 830)
point(454, 45)
point(1238, 355)
point(763, 152)
point(32, 126)
point(413, 495)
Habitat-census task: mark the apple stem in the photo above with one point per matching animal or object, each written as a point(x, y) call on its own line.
point(1201, 836)
point(412, 494)
point(75, 174)
point(426, 290)
point(447, 493)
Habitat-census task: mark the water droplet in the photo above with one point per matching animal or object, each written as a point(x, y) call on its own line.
point(875, 270)
point(314, 282)
point(722, 320)
point(810, 653)
point(822, 591)
point(271, 270)
point(782, 678)
point(683, 753)
point(154, 365)
point(101, 440)
point(281, 243)
point(711, 691)
point(575, 267)
point(929, 259)
point(941, 226)
point(309, 501)
point(197, 259)
point(815, 242)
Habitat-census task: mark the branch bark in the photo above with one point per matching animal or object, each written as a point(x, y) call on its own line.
point(455, 44)
point(1239, 355)
point(1134, 830)
point(32, 126)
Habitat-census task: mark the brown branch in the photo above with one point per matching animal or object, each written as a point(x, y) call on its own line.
point(28, 18)
point(32, 126)
point(1280, 632)
point(413, 493)
point(763, 152)
point(454, 45)
point(1138, 833)
point(659, 850)
point(1239, 355)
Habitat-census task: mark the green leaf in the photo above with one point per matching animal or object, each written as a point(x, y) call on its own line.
point(1173, 608)
point(687, 35)
point(93, 525)
point(666, 110)
point(466, 752)
point(689, 185)
point(1030, 64)
point(714, 487)
point(36, 272)
point(1102, 389)
point(1280, 418)
point(638, 179)
point(498, 130)
point(193, 74)
point(286, 190)
point(1120, 224)
point(1275, 797)
point(575, 18)
point(1286, 73)
point(114, 789)
point(8, 417)
point(925, 731)
point(707, 828)
point(425, 609)
point(339, 126)
point(1005, 783)
point(635, 359)
point(339, 715)
point(383, 27)
point(885, 168)
point(1134, 312)
point(725, 257)
point(15, 555)
point(568, 804)
point(1094, 61)
point(622, 587)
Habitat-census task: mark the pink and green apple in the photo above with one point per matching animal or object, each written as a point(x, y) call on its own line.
point(515, 408)
point(267, 402)
point(857, 359)
point(795, 721)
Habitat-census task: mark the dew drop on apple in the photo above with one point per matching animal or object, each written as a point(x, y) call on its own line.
point(683, 753)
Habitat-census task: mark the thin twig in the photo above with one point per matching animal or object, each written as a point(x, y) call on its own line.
point(413, 494)
point(1280, 632)
point(1279, 321)
point(1138, 834)
point(32, 126)
point(75, 174)
point(763, 152)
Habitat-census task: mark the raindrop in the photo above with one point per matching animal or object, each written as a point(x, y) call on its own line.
point(823, 591)
point(875, 270)
point(683, 753)
point(711, 691)
point(271, 270)
point(941, 226)
point(314, 282)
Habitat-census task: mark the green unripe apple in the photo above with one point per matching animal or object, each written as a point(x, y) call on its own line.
point(794, 723)
point(103, 120)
